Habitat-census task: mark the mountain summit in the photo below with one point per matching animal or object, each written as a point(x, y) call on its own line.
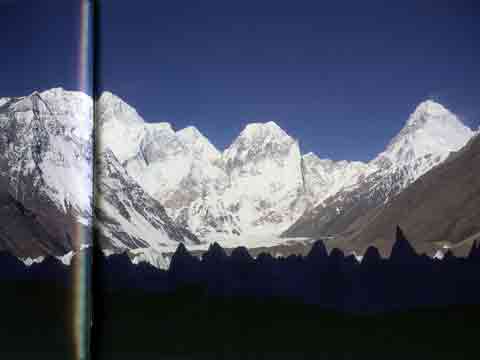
point(429, 136)
point(262, 184)
point(46, 175)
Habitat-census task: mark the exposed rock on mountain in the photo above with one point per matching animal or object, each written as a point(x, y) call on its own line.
point(261, 185)
point(45, 172)
point(127, 217)
point(157, 186)
point(46, 178)
point(429, 136)
point(438, 211)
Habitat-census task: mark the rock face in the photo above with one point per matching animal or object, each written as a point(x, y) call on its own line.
point(45, 172)
point(126, 216)
point(47, 183)
point(438, 211)
point(429, 136)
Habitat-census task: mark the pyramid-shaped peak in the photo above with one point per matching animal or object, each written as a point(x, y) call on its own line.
point(197, 142)
point(431, 107)
point(430, 134)
point(430, 110)
point(191, 131)
point(108, 97)
point(111, 107)
point(258, 129)
point(191, 134)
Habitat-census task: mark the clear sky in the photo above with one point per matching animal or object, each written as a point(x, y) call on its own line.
point(342, 78)
point(39, 46)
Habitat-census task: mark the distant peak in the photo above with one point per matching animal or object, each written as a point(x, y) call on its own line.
point(272, 124)
point(259, 129)
point(429, 105)
point(191, 131)
point(162, 126)
point(58, 92)
point(198, 142)
point(431, 130)
point(311, 157)
point(52, 91)
point(263, 125)
point(107, 96)
point(118, 108)
point(57, 89)
point(426, 110)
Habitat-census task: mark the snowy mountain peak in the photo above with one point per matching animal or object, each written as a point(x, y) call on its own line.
point(258, 141)
point(425, 109)
point(159, 127)
point(55, 92)
point(191, 132)
point(258, 129)
point(430, 134)
point(46, 167)
point(199, 144)
point(111, 107)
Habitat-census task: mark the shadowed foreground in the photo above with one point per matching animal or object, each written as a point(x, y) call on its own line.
point(35, 320)
point(187, 325)
point(322, 306)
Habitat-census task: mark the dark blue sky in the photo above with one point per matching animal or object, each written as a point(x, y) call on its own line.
point(39, 46)
point(342, 77)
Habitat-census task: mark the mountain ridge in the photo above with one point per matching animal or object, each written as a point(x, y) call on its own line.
point(261, 183)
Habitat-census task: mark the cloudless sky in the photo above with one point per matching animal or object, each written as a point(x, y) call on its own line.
point(342, 76)
point(39, 47)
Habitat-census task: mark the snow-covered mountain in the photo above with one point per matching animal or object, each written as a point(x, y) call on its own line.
point(428, 137)
point(257, 185)
point(325, 177)
point(126, 216)
point(431, 133)
point(439, 210)
point(47, 182)
point(161, 160)
point(46, 172)
point(157, 186)
point(261, 184)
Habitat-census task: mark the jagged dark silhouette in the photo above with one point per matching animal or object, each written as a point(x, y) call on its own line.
point(474, 254)
point(330, 280)
point(402, 250)
point(235, 286)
